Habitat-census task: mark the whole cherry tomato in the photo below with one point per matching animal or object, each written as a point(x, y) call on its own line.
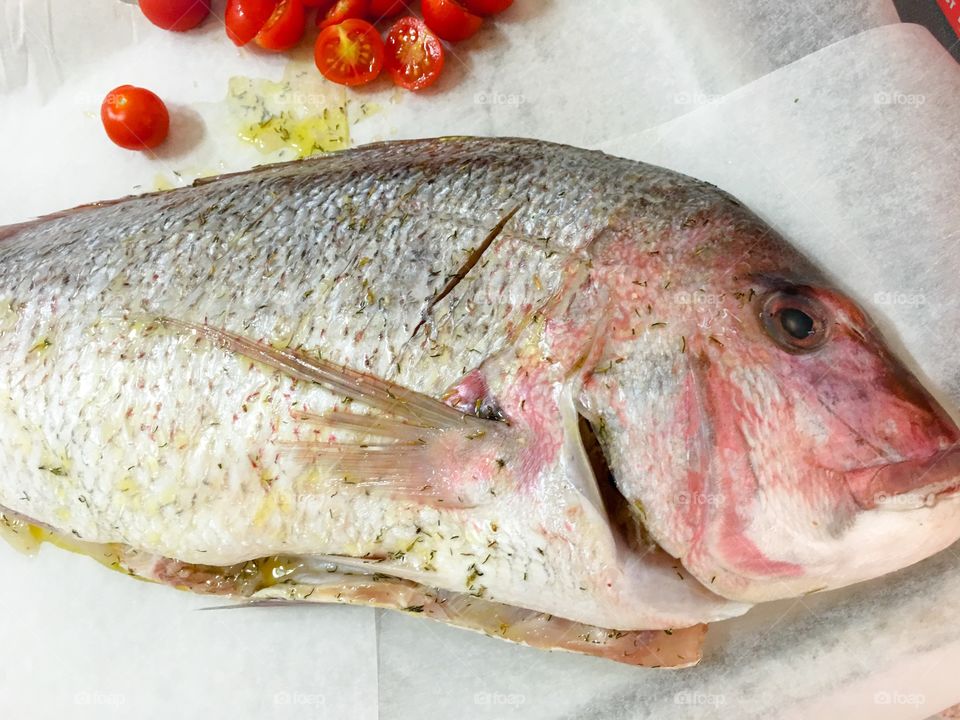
point(134, 118)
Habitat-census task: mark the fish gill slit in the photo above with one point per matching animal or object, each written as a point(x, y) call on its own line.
point(626, 522)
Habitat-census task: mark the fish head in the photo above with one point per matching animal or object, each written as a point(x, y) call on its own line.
point(828, 460)
point(765, 434)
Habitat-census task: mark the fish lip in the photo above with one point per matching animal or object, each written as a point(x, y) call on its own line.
point(909, 484)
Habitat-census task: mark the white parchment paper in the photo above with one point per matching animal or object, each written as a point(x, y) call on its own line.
point(858, 172)
point(548, 68)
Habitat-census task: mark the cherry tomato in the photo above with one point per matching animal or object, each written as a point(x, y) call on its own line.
point(349, 53)
point(245, 18)
point(284, 28)
point(343, 10)
point(486, 7)
point(450, 20)
point(177, 15)
point(322, 4)
point(414, 55)
point(380, 9)
point(134, 118)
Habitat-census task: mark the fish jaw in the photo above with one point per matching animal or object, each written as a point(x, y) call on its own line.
point(871, 546)
point(907, 485)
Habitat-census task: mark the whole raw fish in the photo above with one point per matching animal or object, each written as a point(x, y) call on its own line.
point(559, 397)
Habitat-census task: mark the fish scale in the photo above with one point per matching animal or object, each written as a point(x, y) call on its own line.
point(251, 368)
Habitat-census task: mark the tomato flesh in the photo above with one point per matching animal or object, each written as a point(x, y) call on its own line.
point(486, 7)
point(245, 18)
point(381, 9)
point(284, 28)
point(344, 10)
point(349, 53)
point(176, 15)
point(134, 118)
point(413, 54)
point(450, 20)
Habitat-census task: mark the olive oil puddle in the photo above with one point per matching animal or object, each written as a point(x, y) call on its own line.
point(265, 121)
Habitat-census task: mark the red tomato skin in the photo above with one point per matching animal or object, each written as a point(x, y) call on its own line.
point(401, 33)
point(450, 20)
point(285, 27)
point(245, 18)
point(134, 118)
point(328, 41)
point(382, 9)
point(176, 15)
point(344, 10)
point(486, 7)
point(324, 5)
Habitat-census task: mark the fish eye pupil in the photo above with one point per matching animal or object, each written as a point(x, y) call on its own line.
point(796, 323)
point(796, 319)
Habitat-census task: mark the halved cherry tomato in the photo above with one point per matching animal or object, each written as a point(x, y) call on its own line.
point(245, 18)
point(349, 53)
point(343, 10)
point(414, 55)
point(176, 15)
point(486, 7)
point(380, 9)
point(134, 117)
point(450, 20)
point(284, 28)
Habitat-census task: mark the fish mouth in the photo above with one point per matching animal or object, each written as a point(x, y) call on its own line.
point(909, 484)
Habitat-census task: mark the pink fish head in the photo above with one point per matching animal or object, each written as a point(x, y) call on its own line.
point(756, 420)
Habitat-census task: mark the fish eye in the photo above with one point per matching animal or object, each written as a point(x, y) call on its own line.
point(797, 322)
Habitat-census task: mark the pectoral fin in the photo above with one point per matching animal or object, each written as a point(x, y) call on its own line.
point(404, 404)
point(404, 446)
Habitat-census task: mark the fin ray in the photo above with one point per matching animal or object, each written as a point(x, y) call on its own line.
point(418, 428)
point(375, 425)
point(377, 393)
point(680, 647)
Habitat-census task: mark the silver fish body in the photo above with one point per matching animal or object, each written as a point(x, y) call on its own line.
point(149, 397)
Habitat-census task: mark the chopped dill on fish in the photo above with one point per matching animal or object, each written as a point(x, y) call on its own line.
point(562, 398)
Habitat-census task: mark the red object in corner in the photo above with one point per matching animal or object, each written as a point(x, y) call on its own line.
point(951, 8)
